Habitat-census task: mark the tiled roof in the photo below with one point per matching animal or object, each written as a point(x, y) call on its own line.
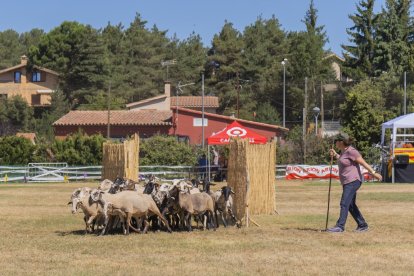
point(183, 101)
point(118, 117)
point(149, 100)
point(230, 118)
point(35, 66)
point(195, 101)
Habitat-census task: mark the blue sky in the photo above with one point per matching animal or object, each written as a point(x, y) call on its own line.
point(181, 17)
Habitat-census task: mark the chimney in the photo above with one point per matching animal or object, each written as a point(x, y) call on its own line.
point(23, 60)
point(167, 89)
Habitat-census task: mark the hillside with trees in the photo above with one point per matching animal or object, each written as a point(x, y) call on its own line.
point(127, 60)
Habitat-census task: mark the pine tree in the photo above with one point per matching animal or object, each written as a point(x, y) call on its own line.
point(190, 55)
point(144, 52)
point(224, 68)
point(359, 56)
point(10, 49)
point(265, 47)
point(392, 50)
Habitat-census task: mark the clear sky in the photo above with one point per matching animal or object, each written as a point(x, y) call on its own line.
point(181, 17)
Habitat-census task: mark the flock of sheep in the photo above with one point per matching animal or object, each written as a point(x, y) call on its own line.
point(125, 204)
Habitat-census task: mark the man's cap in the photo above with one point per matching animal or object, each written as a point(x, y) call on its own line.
point(342, 136)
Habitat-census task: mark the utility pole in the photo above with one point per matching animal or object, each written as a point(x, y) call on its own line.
point(305, 120)
point(284, 90)
point(322, 113)
point(405, 93)
point(108, 131)
point(202, 109)
point(238, 93)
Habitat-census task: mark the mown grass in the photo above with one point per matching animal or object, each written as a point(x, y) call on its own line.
point(39, 235)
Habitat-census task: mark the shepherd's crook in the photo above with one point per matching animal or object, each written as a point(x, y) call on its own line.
point(329, 193)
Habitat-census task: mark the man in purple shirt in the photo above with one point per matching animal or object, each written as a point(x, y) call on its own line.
point(349, 162)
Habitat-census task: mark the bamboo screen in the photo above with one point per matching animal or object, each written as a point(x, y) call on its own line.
point(121, 159)
point(251, 174)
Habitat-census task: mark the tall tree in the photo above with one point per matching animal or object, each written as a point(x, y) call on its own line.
point(78, 54)
point(31, 39)
point(191, 56)
point(224, 67)
point(113, 37)
point(393, 50)
point(10, 49)
point(308, 60)
point(363, 112)
point(15, 115)
point(144, 52)
point(90, 75)
point(360, 55)
point(265, 47)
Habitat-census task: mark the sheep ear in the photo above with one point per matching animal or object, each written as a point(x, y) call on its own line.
point(70, 202)
point(232, 192)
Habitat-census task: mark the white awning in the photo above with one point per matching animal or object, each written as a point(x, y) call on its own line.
point(45, 91)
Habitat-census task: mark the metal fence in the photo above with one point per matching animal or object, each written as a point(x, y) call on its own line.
point(61, 172)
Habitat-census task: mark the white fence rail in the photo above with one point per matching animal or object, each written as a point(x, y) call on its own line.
point(61, 172)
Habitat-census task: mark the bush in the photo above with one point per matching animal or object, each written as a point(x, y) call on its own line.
point(292, 151)
point(79, 149)
point(16, 151)
point(166, 150)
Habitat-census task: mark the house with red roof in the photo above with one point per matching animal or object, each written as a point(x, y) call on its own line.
point(186, 124)
point(166, 101)
point(178, 116)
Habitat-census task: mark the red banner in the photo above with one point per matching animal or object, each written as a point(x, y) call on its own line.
point(316, 172)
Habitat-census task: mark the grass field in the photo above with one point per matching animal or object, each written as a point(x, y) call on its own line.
point(39, 236)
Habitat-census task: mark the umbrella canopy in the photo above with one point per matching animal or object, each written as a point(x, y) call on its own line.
point(235, 130)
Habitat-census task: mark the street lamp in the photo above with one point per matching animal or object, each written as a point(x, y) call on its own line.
point(284, 90)
point(316, 110)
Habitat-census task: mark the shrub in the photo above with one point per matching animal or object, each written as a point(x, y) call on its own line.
point(166, 150)
point(16, 150)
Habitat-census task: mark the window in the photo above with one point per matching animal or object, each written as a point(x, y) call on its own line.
point(36, 99)
point(17, 77)
point(198, 122)
point(36, 77)
point(183, 139)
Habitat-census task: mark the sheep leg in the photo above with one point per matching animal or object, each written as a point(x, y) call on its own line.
point(213, 224)
point(187, 218)
point(223, 219)
point(89, 224)
point(146, 225)
point(154, 210)
point(105, 224)
point(216, 216)
point(129, 216)
point(205, 222)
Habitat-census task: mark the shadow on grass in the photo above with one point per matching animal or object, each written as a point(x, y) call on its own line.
point(304, 229)
point(66, 233)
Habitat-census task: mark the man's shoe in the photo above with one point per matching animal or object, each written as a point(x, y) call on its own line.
point(335, 229)
point(362, 228)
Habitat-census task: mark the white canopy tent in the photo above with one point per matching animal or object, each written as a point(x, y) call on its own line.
point(404, 121)
point(401, 122)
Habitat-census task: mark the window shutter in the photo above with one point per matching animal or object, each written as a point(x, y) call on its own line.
point(42, 76)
